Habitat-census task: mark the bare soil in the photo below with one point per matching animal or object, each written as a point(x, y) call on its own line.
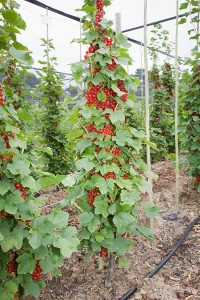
point(179, 279)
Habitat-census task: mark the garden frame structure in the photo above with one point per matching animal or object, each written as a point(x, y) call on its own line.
point(77, 19)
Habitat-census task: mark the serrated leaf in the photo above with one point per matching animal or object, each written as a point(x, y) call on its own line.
point(85, 164)
point(117, 116)
point(21, 55)
point(59, 218)
point(4, 186)
point(85, 218)
point(23, 115)
point(82, 145)
point(145, 231)
point(101, 96)
point(101, 207)
point(33, 288)
point(122, 40)
point(70, 180)
point(122, 219)
point(77, 192)
point(26, 263)
point(150, 209)
point(13, 18)
point(129, 197)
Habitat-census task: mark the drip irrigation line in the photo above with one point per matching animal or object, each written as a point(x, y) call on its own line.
point(153, 23)
point(165, 260)
point(35, 2)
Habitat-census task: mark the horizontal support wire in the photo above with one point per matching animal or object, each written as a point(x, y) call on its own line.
point(153, 23)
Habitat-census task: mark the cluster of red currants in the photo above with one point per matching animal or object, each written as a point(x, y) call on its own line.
point(92, 194)
point(92, 49)
point(107, 130)
point(4, 214)
point(37, 273)
point(100, 13)
point(109, 175)
point(107, 41)
point(19, 187)
point(91, 96)
point(112, 66)
point(104, 252)
point(12, 266)
point(2, 103)
point(120, 85)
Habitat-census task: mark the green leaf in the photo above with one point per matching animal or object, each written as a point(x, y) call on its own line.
point(9, 289)
point(20, 167)
point(118, 245)
point(129, 197)
point(35, 238)
point(101, 96)
point(100, 182)
point(122, 137)
point(26, 263)
point(21, 56)
point(145, 231)
point(77, 192)
point(48, 181)
point(67, 246)
point(82, 145)
point(13, 18)
point(29, 182)
point(101, 207)
point(97, 78)
point(150, 209)
point(70, 180)
point(122, 40)
point(12, 129)
point(117, 116)
point(87, 8)
point(122, 219)
point(85, 218)
point(59, 218)
point(4, 186)
point(33, 287)
point(23, 115)
point(85, 164)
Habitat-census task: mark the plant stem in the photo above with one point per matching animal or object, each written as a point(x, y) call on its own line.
point(21, 293)
point(111, 269)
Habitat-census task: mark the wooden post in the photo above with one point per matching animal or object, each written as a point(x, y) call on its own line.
point(147, 99)
point(176, 111)
point(118, 28)
point(47, 15)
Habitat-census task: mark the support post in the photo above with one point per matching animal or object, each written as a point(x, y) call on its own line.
point(147, 98)
point(176, 111)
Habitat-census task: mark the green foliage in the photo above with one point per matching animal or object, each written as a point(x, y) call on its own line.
point(189, 96)
point(60, 159)
point(111, 175)
point(162, 111)
point(30, 244)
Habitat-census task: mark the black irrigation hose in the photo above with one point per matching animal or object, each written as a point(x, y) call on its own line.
point(165, 260)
